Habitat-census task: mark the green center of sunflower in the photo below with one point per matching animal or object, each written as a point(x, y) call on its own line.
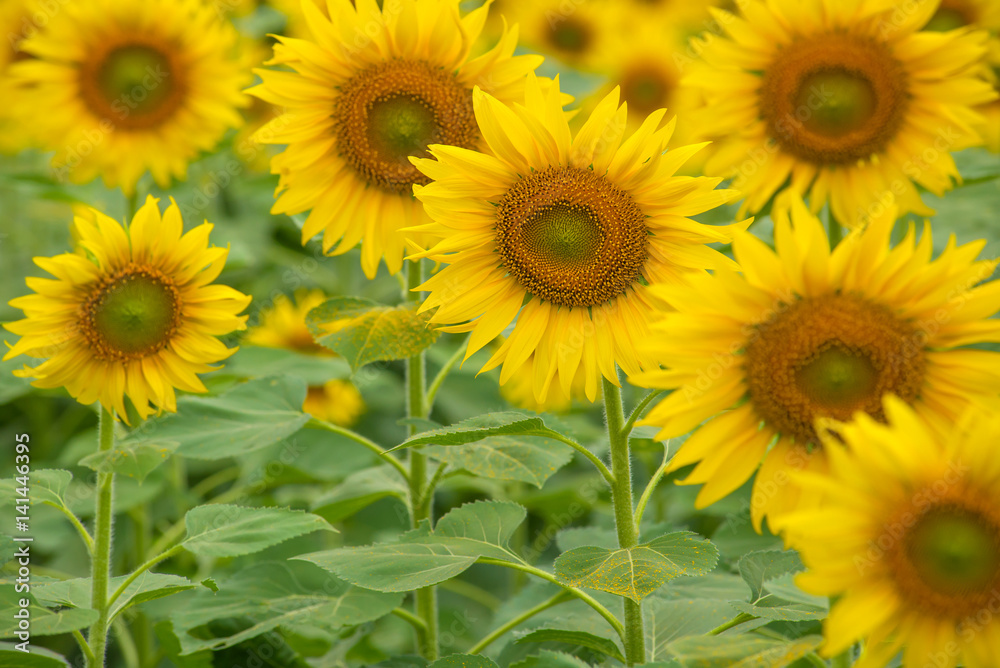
point(394, 110)
point(131, 315)
point(954, 550)
point(571, 237)
point(834, 98)
point(570, 36)
point(135, 86)
point(645, 88)
point(830, 356)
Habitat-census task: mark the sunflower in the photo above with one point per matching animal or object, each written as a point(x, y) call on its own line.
point(845, 102)
point(519, 390)
point(133, 313)
point(132, 85)
point(16, 23)
point(283, 325)
point(563, 233)
point(573, 32)
point(371, 89)
point(908, 539)
point(991, 112)
point(806, 333)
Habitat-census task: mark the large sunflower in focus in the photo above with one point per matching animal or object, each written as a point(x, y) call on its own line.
point(369, 90)
point(563, 233)
point(845, 102)
point(132, 85)
point(133, 314)
point(806, 333)
point(908, 540)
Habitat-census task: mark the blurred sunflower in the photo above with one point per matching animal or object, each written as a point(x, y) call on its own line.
point(283, 325)
point(132, 85)
point(16, 23)
point(907, 539)
point(844, 101)
point(371, 89)
point(562, 233)
point(519, 390)
point(573, 32)
point(132, 314)
point(991, 112)
point(804, 333)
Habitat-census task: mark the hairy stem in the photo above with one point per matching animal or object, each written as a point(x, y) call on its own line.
point(100, 563)
point(520, 619)
point(621, 498)
point(735, 621)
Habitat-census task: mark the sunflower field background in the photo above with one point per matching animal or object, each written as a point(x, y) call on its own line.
point(549, 334)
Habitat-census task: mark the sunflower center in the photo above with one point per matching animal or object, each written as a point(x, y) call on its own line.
point(135, 86)
point(131, 315)
point(570, 36)
point(834, 99)
point(645, 88)
point(830, 356)
point(394, 110)
point(570, 237)
point(948, 561)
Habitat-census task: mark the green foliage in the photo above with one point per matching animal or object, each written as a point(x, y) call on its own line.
point(39, 657)
point(581, 638)
point(463, 661)
point(740, 651)
point(230, 531)
point(364, 331)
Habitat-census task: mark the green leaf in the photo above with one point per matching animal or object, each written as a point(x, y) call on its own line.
point(777, 609)
point(581, 638)
point(547, 659)
point(529, 459)
point(759, 567)
point(464, 661)
point(666, 620)
point(360, 490)
point(44, 622)
point(8, 546)
point(291, 595)
point(423, 557)
point(171, 646)
point(248, 417)
point(258, 362)
point(132, 459)
point(483, 426)
point(38, 657)
point(364, 331)
point(639, 571)
point(76, 592)
point(740, 651)
point(220, 530)
point(46, 486)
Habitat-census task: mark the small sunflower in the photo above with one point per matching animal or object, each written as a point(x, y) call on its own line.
point(574, 32)
point(283, 325)
point(132, 314)
point(846, 102)
point(370, 89)
point(907, 539)
point(563, 233)
point(805, 333)
point(132, 85)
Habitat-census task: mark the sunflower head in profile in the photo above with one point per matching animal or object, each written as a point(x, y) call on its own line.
point(283, 325)
point(132, 85)
point(132, 314)
point(805, 333)
point(844, 102)
point(907, 539)
point(564, 234)
point(370, 89)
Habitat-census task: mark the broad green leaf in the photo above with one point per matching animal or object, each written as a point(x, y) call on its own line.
point(639, 571)
point(740, 651)
point(785, 587)
point(547, 659)
point(258, 362)
point(147, 587)
point(294, 596)
point(464, 661)
point(44, 622)
point(581, 638)
point(423, 557)
point(132, 459)
point(483, 426)
point(759, 567)
point(359, 490)
point(666, 620)
point(38, 657)
point(529, 459)
point(8, 546)
point(249, 416)
point(364, 331)
point(220, 530)
point(775, 609)
point(45, 486)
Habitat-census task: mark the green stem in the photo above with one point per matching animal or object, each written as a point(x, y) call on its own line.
point(415, 621)
point(579, 593)
point(84, 647)
point(142, 569)
point(815, 659)
point(520, 619)
point(639, 409)
point(435, 385)
point(594, 459)
point(142, 632)
point(621, 499)
point(735, 621)
point(100, 572)
point(361, 440)
point(653, 482)
point(421, 494)
point(80, 529)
